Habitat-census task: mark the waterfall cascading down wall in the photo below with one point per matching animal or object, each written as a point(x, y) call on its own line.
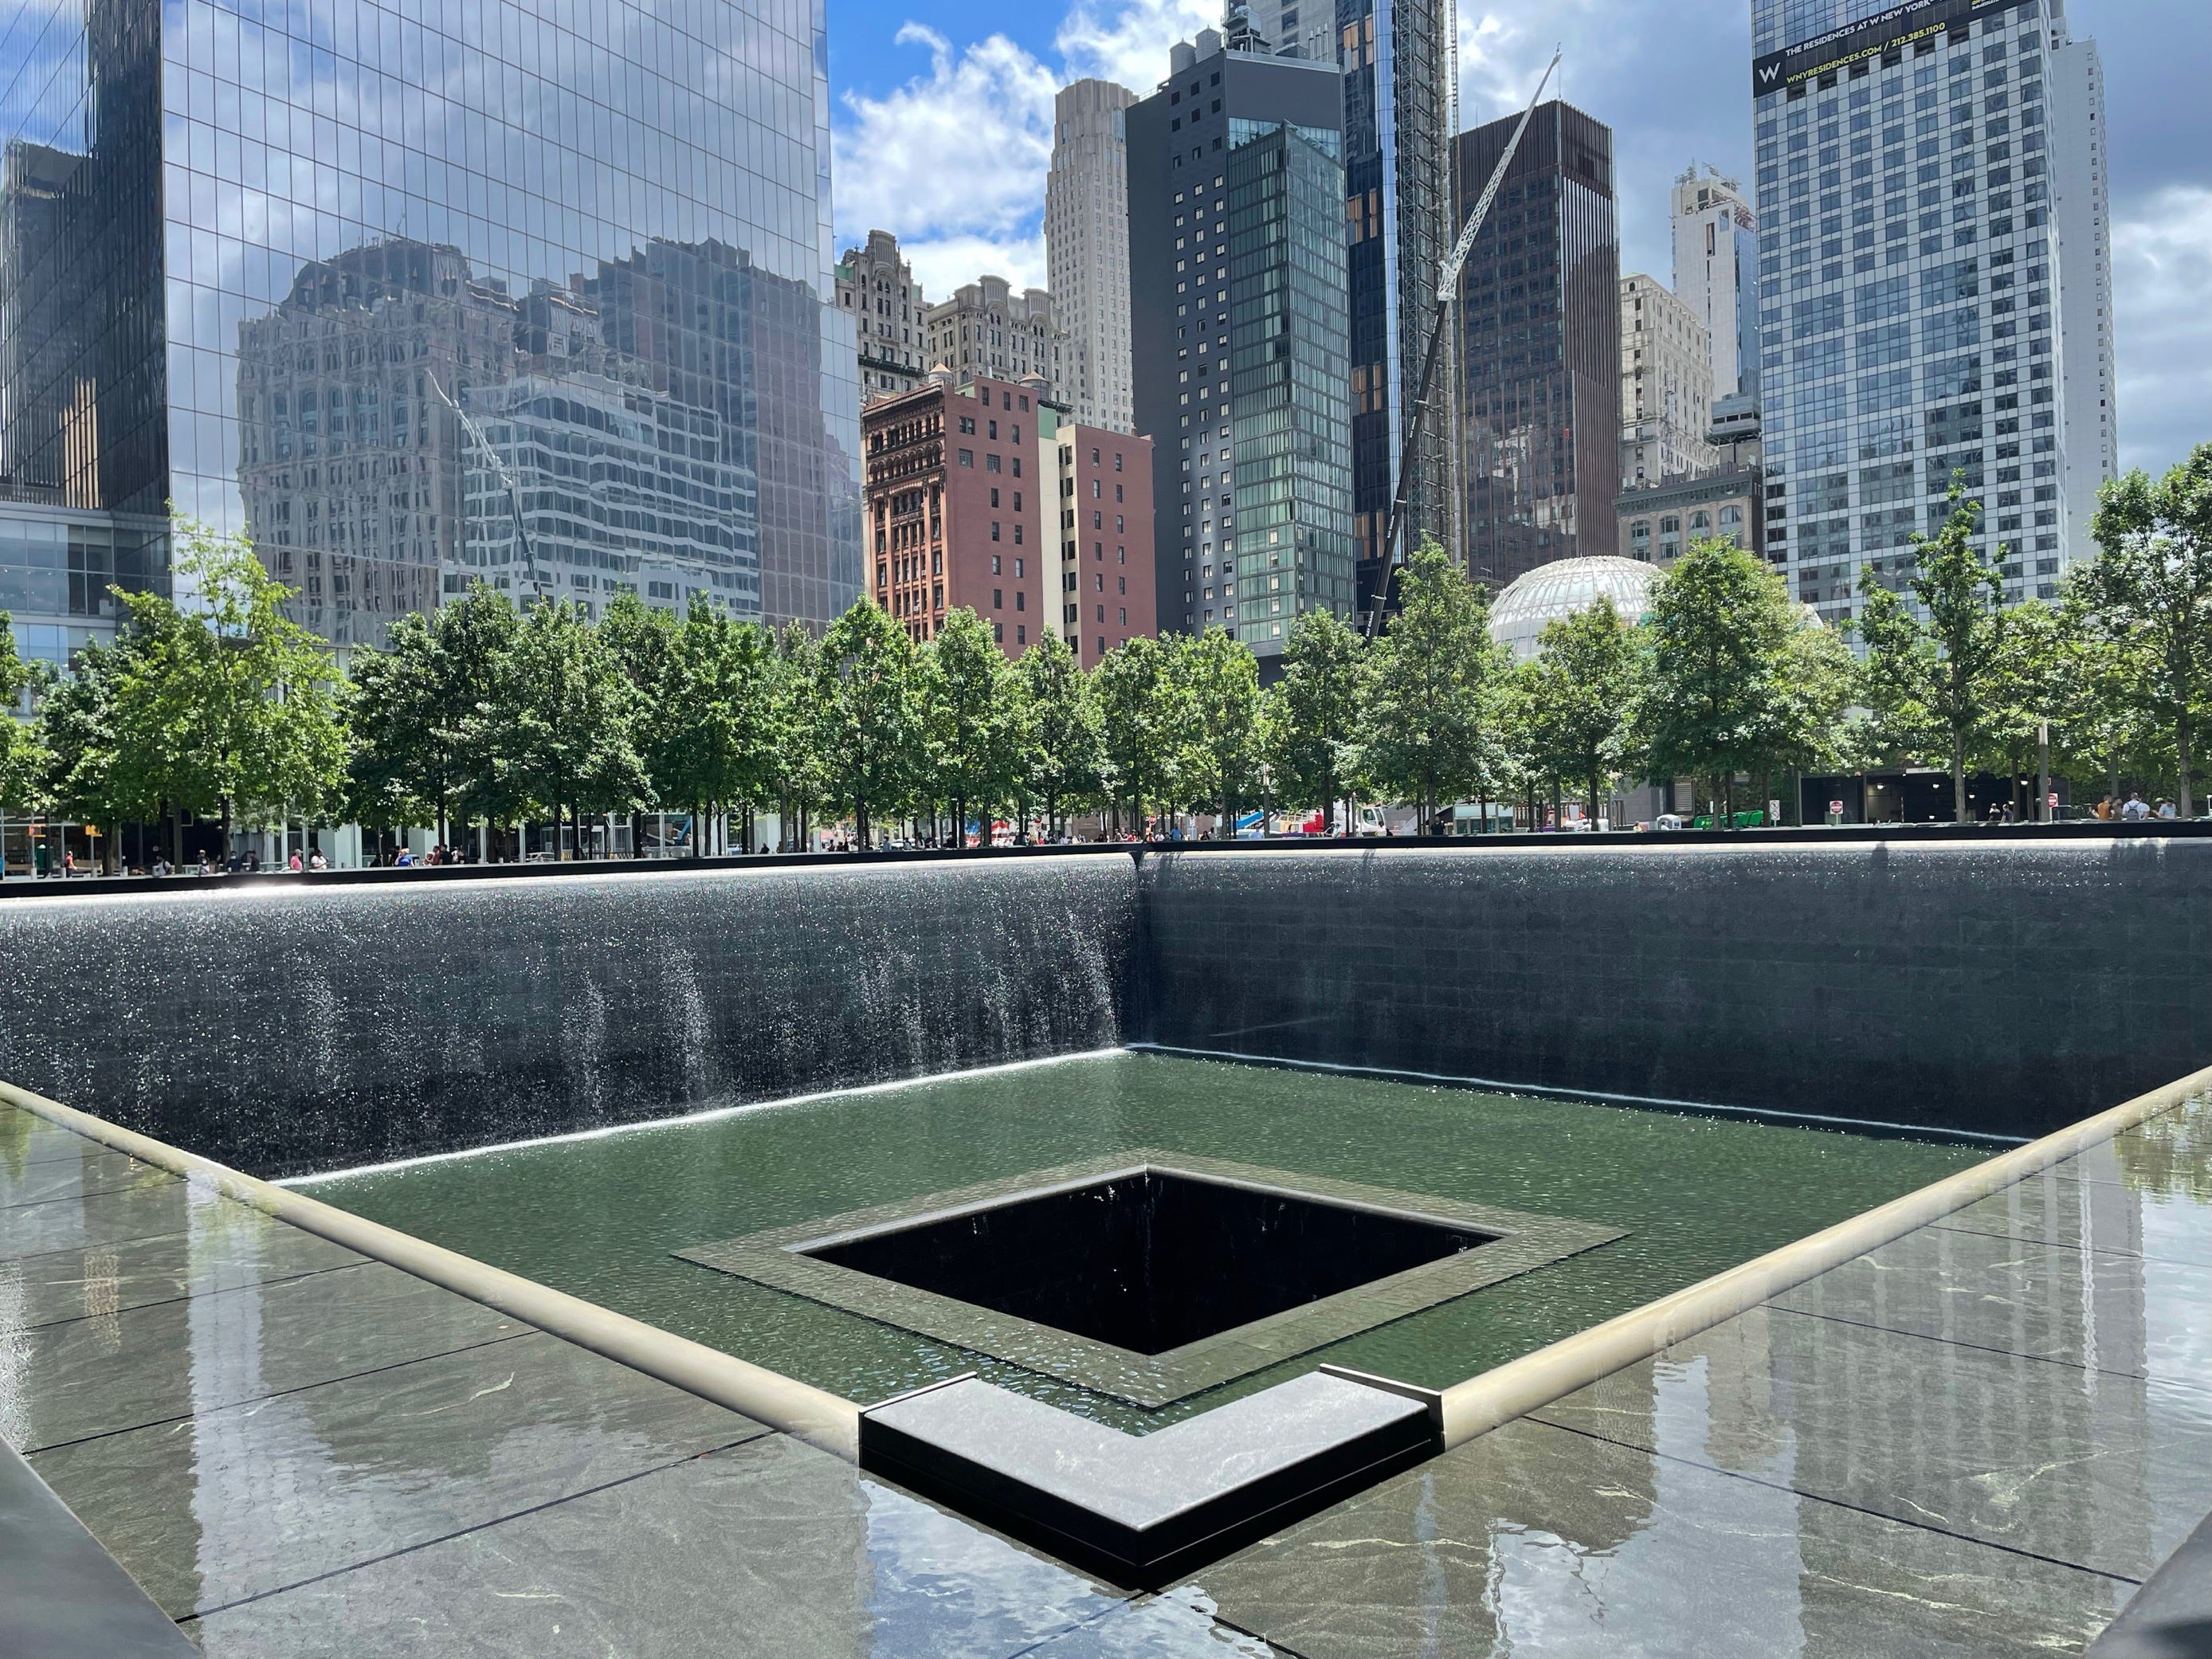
point(2004, 985)
point(284, 1032)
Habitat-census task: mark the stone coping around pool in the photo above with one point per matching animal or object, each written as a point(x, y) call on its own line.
point(93, 886)
point(1141, 1509)
point(61, 1595)
point(1522, 1243)
point(1138, 1510)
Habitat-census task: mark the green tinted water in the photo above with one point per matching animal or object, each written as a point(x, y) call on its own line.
point(599, 1217)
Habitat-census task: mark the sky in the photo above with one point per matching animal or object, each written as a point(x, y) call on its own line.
point(943, 135)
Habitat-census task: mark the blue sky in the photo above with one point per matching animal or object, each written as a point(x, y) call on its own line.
point(944, 133)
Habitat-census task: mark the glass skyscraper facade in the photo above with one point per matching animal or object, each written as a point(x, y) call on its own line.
point(1238, 320)
point(1399, 60)
point(520, 291)
point(1540, 348)
point(1933, 286)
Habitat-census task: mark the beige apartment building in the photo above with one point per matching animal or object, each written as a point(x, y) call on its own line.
point(987, 331)
point(1666, 385)
point(876, 288)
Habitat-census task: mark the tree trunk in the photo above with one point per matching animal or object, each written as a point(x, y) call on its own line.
point(2181, 737)
point(1958, 781)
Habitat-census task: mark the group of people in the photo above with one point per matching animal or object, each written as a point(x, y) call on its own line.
point(238, 864)
point(2134, 809)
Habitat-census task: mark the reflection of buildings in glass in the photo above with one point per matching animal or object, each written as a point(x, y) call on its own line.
point(83, 456)
point(349, 452)
point(620, 487)
point(714, 331)
point(204, 159)
point(1540, 386)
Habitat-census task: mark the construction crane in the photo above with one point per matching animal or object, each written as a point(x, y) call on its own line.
point(1447, 286)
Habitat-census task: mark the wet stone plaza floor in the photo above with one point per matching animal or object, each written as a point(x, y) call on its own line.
point(1975, 1440)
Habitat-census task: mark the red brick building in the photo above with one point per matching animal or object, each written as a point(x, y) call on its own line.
point(1106, 590)
point(958, 482)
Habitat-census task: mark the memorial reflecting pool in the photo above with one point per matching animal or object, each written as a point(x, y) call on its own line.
point(601, 1217)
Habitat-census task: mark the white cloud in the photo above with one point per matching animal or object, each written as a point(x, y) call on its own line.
point(1129, 43)
point(942, 264)
point(2161, 250)
point(952, 160)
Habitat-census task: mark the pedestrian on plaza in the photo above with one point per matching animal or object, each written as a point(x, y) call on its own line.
point(2104, 808)
point(2136, 809)
point(2165, 808)
point(406, 860)
point(69, 864)
point(293, 864)
point(203, 870)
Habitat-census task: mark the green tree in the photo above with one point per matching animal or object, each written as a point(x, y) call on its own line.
point(1715, 703)
point(1219, 684)
point(571, 749)
point(1815, 730)
point(1938, 678)
point(1583, 690)
point(231, 707)
point(969, 713)
point(1433, 735)
point(23, 759)
point(1057, 754)
point(418, 710)
point(798, 774)
point(2151, 585)
point(869, 713)
point(710, 725)
point(1141, 724)
point(1313, 713)
point(2105, 729)
point(640, 641)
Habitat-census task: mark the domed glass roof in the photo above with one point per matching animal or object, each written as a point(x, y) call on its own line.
point(1537, 597)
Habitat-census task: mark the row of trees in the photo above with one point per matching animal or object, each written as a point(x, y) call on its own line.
point(482, 713)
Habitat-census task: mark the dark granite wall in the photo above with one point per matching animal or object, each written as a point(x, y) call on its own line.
point(283, 1031)
point(2003, 986)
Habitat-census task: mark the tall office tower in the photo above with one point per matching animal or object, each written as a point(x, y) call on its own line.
point(1665, 387)
point(2082, 225)
point(876, 288)
point(987, 329)
point(1401, 110)
point(1086, 239)
point(218, 287)
point(1716, 275)
point(1238, 302)
point(1922, 204)
point(1539, 346)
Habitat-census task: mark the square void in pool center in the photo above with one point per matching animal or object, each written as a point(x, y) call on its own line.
point(1150, 1276)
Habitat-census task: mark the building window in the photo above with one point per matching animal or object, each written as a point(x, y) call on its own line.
point(967, 457)
point(998, 599)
